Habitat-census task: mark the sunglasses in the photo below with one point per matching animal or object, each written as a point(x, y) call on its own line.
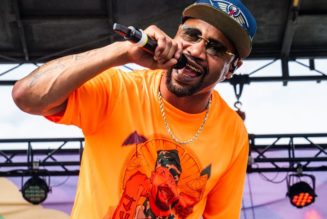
point(213, 47)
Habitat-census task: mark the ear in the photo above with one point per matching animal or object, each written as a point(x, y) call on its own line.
point(235, 64)
point(178, 30)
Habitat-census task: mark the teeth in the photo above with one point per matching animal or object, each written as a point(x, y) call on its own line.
point(193, 68)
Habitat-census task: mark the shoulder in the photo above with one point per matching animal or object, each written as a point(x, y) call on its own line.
point(131, 75)
point(224, 111)
point(229, 122)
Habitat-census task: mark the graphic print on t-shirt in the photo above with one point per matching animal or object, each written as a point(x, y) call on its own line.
point(161, 180)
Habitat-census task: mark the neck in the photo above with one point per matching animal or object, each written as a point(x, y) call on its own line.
point(196, 103)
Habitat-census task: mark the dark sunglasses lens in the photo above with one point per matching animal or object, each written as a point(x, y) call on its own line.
point(213, 48)
point(216, 49)
point(191, 34)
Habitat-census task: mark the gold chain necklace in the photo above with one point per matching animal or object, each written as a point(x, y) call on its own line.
point(170, 132)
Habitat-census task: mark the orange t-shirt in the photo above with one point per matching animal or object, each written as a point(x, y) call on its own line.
point(131, 168)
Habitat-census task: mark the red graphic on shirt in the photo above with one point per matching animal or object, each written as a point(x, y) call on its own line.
point(162, 181)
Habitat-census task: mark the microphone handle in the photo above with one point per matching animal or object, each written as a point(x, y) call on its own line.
point(143, 40)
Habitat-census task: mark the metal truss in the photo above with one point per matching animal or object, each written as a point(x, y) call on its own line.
point(236, 80)
point(62, 156)
point(285, 53)
point(247, 78)
point(44, 157)
point(288, 153)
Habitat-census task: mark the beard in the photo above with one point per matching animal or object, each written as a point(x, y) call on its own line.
point(183, 91)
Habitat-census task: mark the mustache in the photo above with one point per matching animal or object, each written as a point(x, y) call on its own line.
point(198, 61)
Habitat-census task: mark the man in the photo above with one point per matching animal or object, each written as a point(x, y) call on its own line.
point(158, 143)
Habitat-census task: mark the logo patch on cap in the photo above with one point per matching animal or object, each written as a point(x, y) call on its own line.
point(223, 14)
point(233, 11)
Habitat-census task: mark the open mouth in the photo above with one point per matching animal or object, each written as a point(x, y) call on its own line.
point(197, 72)
point(191, 74)
point(190, 71)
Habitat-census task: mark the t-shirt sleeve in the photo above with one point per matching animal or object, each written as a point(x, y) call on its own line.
point(88, 105)
point(224, 200)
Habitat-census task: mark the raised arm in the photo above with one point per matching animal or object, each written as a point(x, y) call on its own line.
point(46, 89)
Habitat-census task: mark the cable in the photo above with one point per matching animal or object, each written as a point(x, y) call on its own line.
point(251, 196)
point(61, 183)
point(244, 212)
point(273, 179)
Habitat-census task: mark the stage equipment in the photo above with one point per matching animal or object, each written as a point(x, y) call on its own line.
point(300, 192)
point(35, 190)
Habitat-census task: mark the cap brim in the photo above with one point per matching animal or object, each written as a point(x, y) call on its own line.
point(227, 25)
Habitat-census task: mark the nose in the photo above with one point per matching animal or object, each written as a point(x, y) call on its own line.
point(198, 49)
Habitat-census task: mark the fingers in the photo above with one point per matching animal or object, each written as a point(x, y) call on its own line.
point(167, 51)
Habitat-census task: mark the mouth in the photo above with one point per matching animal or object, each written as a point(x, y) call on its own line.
point(165, 197)
point(192, 70)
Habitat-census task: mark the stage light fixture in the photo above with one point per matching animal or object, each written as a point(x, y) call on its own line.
point(35, 190)
point(300, 192)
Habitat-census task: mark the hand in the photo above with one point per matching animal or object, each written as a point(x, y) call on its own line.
point(166, 54)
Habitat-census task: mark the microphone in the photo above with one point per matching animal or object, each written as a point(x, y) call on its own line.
point(143, 40)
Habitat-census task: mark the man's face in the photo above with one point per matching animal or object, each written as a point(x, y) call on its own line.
point(164, 189)
point(209, 59)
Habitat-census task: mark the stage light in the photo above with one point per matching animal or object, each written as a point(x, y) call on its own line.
point(300, 192)
point(35, 190)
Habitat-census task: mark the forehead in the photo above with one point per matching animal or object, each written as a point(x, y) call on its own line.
point(210, 32)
